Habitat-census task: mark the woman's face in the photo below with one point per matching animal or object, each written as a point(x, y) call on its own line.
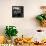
point(44, 10)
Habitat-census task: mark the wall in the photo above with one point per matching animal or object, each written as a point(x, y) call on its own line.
point(26, 25)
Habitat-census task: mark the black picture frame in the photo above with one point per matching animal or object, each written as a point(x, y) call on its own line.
point(18, 11)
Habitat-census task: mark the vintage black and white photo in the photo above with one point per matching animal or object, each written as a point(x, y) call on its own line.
point(17, 11)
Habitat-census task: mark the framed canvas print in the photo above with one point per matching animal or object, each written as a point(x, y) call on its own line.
point(17, 11)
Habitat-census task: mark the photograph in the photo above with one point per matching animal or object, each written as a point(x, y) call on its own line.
point(17, 11)
point(22, 22)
